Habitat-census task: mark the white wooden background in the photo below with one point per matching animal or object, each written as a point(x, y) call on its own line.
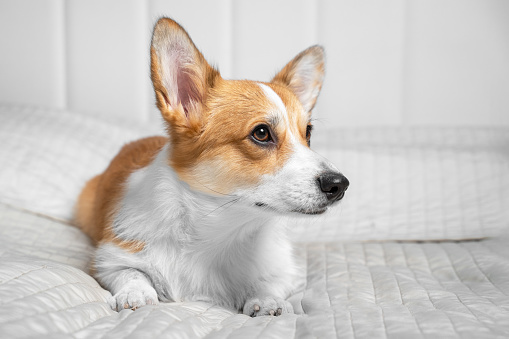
point(390, 62)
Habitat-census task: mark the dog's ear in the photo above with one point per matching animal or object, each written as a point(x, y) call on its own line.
point(180, 74)
point(304, 76)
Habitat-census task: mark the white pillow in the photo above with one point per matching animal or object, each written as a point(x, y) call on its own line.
point(416, 184)
point(405, 183)
point(48, 155)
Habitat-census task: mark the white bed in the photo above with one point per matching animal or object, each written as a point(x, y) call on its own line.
point(417, 249)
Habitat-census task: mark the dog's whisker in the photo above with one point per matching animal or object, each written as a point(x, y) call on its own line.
point(225, 205)
point(220, 193)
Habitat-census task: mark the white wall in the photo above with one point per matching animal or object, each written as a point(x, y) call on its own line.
point(390, 62)
point(457, 62)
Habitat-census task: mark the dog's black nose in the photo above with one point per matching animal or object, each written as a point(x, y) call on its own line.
point(333, 184)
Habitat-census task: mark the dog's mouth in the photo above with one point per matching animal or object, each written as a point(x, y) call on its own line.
point(311, 212)
point(317, 211)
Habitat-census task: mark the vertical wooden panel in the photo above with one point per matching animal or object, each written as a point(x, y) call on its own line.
point(445, 64)
point(107, 69)
point(58, 22)
point(457, 62)
point(32, 67)
point(364, 43)
point(267, 34)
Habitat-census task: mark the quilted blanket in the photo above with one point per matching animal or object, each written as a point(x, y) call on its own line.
point(365, 271)
point(347, 290)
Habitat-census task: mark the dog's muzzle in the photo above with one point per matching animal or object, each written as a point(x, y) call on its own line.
point(333, 185)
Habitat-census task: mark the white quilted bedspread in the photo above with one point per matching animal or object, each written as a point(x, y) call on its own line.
point(348, 290)
point(409, 185)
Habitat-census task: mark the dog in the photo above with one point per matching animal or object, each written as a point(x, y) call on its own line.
point(200, 214)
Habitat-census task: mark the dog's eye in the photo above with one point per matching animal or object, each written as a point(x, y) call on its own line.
point(262, 134)
point(309, 128)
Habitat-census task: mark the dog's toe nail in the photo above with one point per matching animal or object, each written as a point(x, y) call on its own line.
point(256, 308)
point(126, 305)
point(279, 311)
point(271, 312)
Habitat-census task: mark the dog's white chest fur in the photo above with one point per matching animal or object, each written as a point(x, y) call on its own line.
point(198, 247)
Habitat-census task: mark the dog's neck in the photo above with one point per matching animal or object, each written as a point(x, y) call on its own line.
point(183, 214)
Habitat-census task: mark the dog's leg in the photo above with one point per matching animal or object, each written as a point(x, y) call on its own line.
point(131, 289)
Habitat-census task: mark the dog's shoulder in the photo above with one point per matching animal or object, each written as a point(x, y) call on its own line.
point(100, 197)
point(137, 154)
point(133, 156)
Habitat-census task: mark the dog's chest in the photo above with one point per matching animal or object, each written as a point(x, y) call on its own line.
point(232, 272)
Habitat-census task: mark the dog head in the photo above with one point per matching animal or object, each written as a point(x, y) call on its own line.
point(244, 138)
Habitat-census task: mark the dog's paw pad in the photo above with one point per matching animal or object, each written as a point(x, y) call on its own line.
point(131, 297)
point(267, 306)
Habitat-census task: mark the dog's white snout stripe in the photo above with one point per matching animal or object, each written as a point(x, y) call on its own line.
point(281, 108)
point(276, 99)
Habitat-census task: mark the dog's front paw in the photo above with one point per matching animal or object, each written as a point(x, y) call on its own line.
point(267, 306)
point(134, 295)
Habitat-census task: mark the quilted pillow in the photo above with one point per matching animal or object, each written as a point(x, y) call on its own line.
point(406, 183)
point(416, 184)
point(48, 155)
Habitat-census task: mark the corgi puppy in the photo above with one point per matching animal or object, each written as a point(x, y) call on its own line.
point(200, 214)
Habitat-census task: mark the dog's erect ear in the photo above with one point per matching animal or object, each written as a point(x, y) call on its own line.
point(180, 74)
point(304, 75)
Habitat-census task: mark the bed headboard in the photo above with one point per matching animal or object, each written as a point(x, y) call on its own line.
point(389, 63)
